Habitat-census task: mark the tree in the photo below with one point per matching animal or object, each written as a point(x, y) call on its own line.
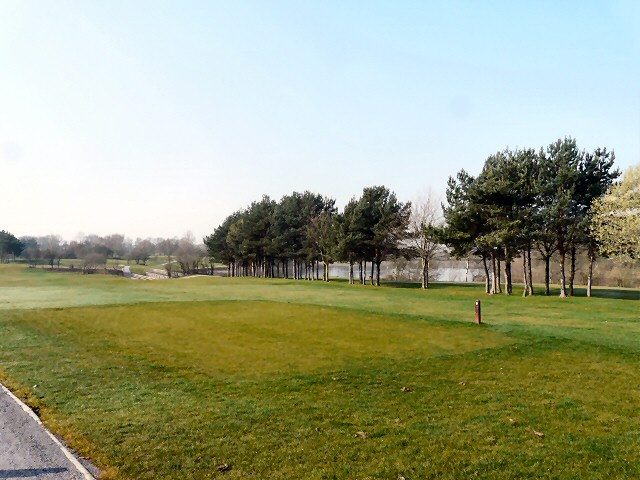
point(595, 177)
point(464, 222)
point(544, 236)
point(502, 193)
point(423, 240)
point(291, 216)
point(168, 246)
point(253, 239)
point(615, 217)
point(31, 251)
point(51, 249)
point(557, 183)
point(321, 233)
point(384, 221)
point(189, 255)
point(349, 240)
point(9, 245)
point(92, 260)
point(216, 243)
point(142, 250)
point(115, 243)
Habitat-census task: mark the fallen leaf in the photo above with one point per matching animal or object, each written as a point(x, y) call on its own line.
point(513, 421)
point(224, 467)
point(406, 389)
point(537, 434)
point(360, 434)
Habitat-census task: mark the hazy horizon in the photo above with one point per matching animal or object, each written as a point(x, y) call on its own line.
point(156, 118)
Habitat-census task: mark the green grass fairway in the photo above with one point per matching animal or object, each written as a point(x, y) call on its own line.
point(284, 379)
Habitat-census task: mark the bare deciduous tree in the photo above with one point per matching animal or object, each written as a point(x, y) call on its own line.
point(189, 254)
point(168, 247)
point(321, 234)
point(422, 241)
point(92, 261)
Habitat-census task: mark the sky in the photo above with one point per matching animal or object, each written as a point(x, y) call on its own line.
point(154, 118)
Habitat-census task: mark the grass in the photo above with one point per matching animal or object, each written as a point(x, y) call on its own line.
point(274, 378)
point(154, 262)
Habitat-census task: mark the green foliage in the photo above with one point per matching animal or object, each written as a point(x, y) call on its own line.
point(522, 199)
point(615, 217)
point(304, 228)
point(9, 245)
point(382, 221)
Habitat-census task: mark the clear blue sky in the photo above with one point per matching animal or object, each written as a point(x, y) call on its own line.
point(154, 118)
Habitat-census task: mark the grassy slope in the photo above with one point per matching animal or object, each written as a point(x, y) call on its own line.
point(155, 387)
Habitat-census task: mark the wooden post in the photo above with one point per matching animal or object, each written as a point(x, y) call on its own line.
point(478, 313)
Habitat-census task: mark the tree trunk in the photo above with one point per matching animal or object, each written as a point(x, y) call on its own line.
point(524, 274)
point(326, 271)
point(507, 272)
point(487, 286)
point(318, 271)
point(563, 279)
point(499, 275)
point(378, 262)
point(572, 270)
point(373, 263)
point(547, 275)
point(466, 273)
point(360, 272)
point(425, 273)
point(350, 272)
point(364, 273)
point(494, 289)
point(592, 259)
point(529, 270)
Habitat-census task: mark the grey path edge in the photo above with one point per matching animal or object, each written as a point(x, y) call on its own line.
point(74, 461)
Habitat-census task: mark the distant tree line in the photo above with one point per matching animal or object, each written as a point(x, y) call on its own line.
point(94, 252)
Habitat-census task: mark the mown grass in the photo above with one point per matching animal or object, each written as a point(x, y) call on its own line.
point(275, 378)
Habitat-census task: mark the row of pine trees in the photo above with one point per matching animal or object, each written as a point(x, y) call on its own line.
point(523, 202)
point(294, 237)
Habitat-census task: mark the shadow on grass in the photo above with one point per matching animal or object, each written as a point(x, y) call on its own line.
point(597, 292)
point(613, 293)
point(432, 285)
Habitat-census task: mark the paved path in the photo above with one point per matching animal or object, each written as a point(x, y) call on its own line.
point(28, 450)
